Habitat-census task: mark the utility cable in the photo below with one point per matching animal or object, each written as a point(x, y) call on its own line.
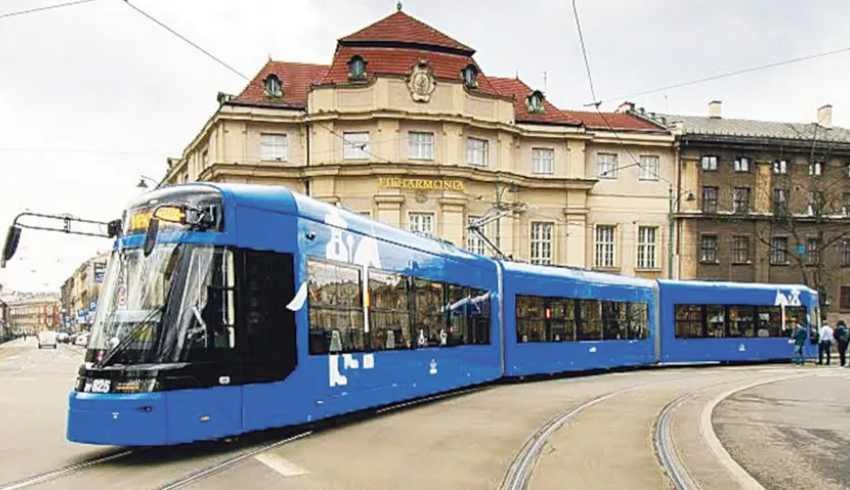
point(41, 9)
point(584, 53)
point(187, 40)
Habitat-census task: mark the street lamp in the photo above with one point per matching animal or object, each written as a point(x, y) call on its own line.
point(144, 185)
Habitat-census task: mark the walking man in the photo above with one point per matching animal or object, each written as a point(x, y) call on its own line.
point(825, 345)
point(799, 338)
point(842, 336)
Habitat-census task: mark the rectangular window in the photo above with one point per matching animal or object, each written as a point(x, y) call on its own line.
point(816, 169)
point(421, 145)
point(477, 151)
point(845, 204)
point(389, 313)
point(708, 163)
point(844, 298)
point(779, 250)
point(816, 202)
point(606, 164)
point(742, 321)
point(646, 252)
point(719, 321)
point(715, 321)
point(741, 249)
point(541, 243)
point(780, 167)
point(590, 319)
point(708, 249)
point(429, 313)
point(543, 161)
point(335, 303)
point(605, 245)
point(780, 200)
point(812, 251)
point(741, 200)
point(648, 167)
point(742, 164)
point(474, 242)
point(845, 253)
point(421, 223)
point(273, 147)
point(709, 199)
point(355, 146)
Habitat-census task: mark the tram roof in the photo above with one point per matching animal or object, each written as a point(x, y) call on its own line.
point(578, 274)
point(716, 285)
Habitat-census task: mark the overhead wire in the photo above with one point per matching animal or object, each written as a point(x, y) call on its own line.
point(46, 7)
point(722, 75)
point(187, 40)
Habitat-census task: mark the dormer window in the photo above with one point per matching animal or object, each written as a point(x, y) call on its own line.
point(535, 102)
point(470, 76)
point(272, 86)
point(356, 68)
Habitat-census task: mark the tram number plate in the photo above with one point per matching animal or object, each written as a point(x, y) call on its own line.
point(100, 386)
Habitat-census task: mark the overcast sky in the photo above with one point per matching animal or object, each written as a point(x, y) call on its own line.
point(94, 95)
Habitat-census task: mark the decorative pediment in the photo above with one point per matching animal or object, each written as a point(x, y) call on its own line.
point(421, 82)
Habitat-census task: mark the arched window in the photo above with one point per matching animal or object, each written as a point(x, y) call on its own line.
point(535, 102)
point(356, 68)
point(470, 76)
point(273, 87)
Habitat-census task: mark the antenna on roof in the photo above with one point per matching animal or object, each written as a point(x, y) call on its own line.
point(545, 80)
point(398, 6)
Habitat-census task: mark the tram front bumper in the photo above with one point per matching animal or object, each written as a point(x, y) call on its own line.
point(117, 419)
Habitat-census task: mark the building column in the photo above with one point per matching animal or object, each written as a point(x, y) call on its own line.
point(389, 209)
point(452, 222)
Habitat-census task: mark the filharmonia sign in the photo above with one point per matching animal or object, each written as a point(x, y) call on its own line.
point(421, 184)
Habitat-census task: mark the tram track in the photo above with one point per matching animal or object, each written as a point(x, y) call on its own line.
point(66, 471)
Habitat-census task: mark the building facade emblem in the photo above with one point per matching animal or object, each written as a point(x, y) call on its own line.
point(421, 82)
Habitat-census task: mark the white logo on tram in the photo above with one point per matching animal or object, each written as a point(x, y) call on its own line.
point(344, 247)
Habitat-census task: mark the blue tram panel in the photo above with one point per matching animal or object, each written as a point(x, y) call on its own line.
point(560, 319)
point(733, 322)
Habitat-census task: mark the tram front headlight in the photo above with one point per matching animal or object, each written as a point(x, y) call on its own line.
point(135, 386)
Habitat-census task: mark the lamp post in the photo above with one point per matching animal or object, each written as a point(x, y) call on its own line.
point(144, 185)
point(673, 203)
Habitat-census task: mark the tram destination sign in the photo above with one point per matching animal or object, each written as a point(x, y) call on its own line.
point(421, 184)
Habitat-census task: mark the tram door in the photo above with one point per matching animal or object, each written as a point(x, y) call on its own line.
point(268, 347)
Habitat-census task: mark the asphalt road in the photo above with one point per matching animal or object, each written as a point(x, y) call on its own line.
point(776, 426)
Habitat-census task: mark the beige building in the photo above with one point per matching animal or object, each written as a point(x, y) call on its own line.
point(34, 314)
point(405, 127)
point(82, 289)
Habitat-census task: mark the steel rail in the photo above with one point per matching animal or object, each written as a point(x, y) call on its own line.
point(65, 471)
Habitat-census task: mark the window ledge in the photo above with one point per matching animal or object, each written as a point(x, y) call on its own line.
point(275, 160)
point(606, 269)
point(749, 262)
point(780, 264)
point(647, 269)
point(710, 262)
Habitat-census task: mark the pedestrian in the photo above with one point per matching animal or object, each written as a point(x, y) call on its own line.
point(842, 336)
point(825, 344)
point(798, 336)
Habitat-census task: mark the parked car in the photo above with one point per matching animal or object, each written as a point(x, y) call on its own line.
point(47, 338)
point(62, 337)
point(82, 340)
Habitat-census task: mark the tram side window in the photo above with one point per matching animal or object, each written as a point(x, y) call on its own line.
point(720, 321)
point(389, 314)
point(429, 318)
point(614, 322)
point(638, 321)
point(336, 308)
point(742, 321)
point(590, 323)
point(562, 314)
point(479, 317)
point(689, 321)
point(530, 319)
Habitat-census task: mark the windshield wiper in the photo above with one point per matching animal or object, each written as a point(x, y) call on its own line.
point(129, 337)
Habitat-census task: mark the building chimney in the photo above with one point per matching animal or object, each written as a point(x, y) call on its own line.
point(825, 115)
point(626, 107)
point(714, 109)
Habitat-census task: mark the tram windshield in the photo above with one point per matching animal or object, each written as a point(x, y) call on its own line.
point(174, 305)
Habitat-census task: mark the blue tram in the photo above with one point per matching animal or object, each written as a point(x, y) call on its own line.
point(233, 308)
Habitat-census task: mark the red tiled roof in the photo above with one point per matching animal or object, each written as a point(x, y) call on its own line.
point(616, 120)
point(296, 79)
point(402, 28)
point(519, 90)
point(400, 61)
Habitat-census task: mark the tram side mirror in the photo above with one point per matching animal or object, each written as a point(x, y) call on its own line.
point(150, 236)
point(113, 229)
point(11, 245)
